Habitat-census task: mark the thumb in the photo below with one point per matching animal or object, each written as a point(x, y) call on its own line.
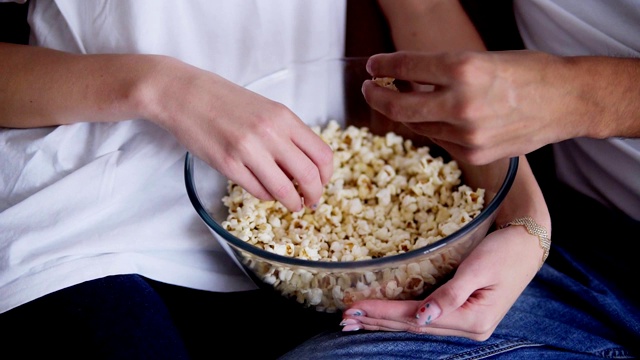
point(445, 299)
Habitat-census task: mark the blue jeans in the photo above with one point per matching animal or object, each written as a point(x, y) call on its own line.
point(583, 304)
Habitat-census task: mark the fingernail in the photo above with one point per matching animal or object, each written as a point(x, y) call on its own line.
point(349, 322)
point(352, 328)
point(354, 312)
point(314, 206)
point(428, 313)
point(368, 67)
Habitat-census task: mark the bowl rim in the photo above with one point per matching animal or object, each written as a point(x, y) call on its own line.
point(487, 211)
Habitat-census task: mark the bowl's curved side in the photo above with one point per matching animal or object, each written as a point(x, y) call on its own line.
point(332, 286)
point(480, 223)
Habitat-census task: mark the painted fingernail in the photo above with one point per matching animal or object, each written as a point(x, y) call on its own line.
point(354, 312)
point(314, 206)
point(349, 322)
point(428, 313)
point(352, 328)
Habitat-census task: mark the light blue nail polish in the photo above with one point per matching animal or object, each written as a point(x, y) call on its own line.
point(354, 312)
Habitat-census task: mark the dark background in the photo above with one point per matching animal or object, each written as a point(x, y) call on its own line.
point(13, 23)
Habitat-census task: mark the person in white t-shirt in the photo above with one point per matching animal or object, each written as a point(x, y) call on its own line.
point(97, 229)
point(575, 89)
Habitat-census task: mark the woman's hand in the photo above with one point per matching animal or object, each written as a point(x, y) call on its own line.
point(490, 105)
point(255, 142)
point(472, 303)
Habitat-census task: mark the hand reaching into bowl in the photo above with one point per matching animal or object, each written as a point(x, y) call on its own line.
point(257, 143)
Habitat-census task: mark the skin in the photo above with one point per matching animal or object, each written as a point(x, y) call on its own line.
point(490, 105)
point(489, 281)
point(257, 143)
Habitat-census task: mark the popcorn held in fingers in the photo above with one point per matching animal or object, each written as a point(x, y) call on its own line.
point(386, 197)
point(387, 82)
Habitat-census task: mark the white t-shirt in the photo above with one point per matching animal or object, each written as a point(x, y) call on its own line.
point(606, 170)
point(84, 201)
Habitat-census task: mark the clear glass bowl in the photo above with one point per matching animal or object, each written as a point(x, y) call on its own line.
point(330, 90)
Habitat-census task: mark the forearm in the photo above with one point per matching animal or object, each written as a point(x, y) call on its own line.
point(524, 199)
point(430, 25)
point(606, 94)
point(43, 87)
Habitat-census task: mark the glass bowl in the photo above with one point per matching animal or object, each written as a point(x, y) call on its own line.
point(319, 92)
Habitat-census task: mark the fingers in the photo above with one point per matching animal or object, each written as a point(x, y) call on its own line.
point(276, 182)
point(292, 178)
point(408, 107)
point(400, 315)
point(293, 166)
point(388, 315)
point(248, 181)
point(316, 173)
point(369, 324)
point(423, 68)
point(450, 309)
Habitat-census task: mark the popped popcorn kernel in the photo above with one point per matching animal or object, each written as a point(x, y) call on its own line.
point(386, 197)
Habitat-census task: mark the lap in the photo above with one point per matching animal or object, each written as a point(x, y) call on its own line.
point(114, 317)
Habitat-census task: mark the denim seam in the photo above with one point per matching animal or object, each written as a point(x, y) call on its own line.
point(493, 349)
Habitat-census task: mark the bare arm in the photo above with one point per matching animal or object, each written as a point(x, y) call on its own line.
point(211, 116)
point(491, 105)
point(430, 25)
point(42, 87)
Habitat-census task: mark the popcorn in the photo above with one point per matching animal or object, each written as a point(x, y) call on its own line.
point(386, 197)
point(387, 82)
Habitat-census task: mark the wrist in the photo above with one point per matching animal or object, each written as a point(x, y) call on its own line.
point(151, 82)
point(533, 228)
